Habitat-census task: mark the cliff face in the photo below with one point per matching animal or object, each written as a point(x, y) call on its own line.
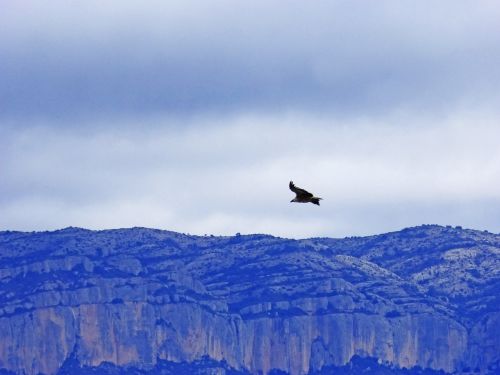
point(425, 296)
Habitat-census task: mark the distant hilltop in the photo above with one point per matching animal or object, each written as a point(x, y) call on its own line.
point(422, 300)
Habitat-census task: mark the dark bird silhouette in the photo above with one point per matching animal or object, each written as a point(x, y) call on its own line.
point(303, 196)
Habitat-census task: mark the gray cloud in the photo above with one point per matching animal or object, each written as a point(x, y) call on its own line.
point(193, 116)
point(85, 59)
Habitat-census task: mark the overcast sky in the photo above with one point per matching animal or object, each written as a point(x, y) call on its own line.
point(194, 116)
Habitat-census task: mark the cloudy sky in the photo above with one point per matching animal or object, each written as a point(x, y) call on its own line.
point(193, 116)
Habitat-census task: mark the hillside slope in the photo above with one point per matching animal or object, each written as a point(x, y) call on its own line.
point(141, 300)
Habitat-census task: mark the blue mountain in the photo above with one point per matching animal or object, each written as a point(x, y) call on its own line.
point(423, 300)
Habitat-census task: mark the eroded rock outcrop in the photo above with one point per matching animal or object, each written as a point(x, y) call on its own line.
point(137, 297)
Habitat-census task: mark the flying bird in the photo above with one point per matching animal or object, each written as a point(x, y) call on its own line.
point(303, 196)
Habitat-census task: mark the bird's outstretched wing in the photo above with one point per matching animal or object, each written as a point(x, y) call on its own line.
point(299, 191)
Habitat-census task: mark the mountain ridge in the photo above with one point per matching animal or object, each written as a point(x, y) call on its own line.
point(424, 296)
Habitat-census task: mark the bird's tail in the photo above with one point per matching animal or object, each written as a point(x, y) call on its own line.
point(316, 200)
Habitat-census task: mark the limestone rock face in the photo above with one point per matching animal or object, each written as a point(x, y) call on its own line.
point(427, 296)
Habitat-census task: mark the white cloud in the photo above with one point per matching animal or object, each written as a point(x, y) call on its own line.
point(232, 175)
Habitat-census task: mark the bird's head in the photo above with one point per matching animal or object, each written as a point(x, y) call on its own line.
point(293, 200)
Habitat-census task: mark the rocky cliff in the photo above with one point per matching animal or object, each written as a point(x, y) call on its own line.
point(74, 300)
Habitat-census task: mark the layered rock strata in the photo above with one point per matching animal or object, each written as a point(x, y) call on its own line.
point(425, 296)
